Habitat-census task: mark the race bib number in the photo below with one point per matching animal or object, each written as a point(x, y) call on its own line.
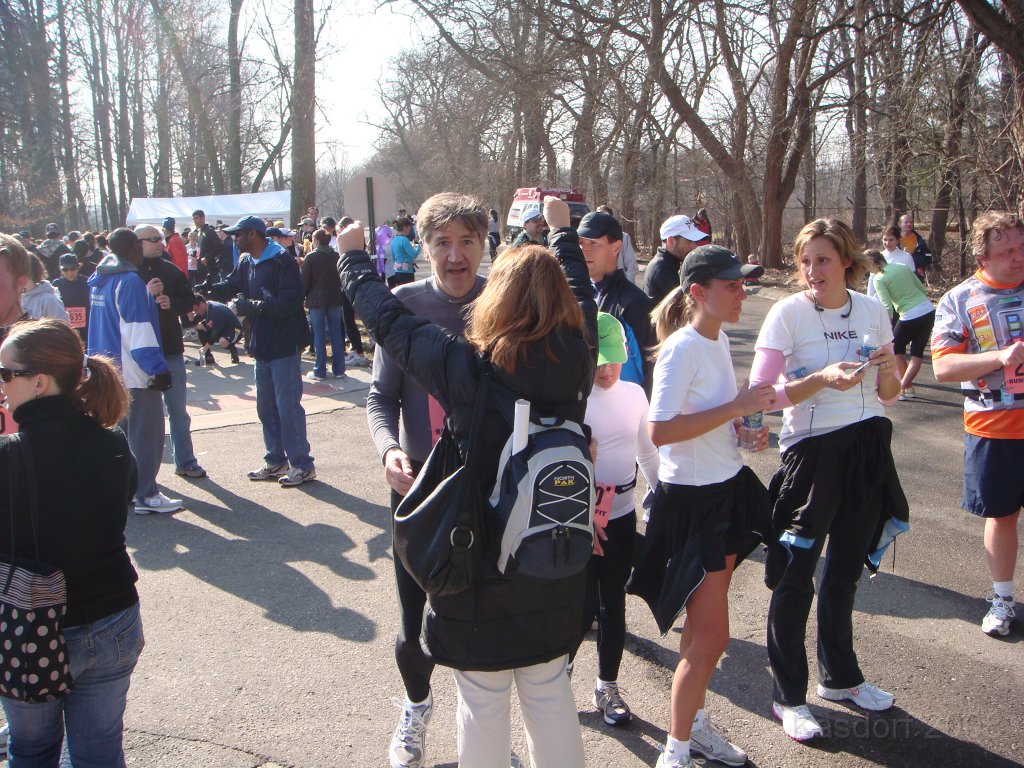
point(8, 426)
point(1014, 379)
point(436, 419)
point(76, 316)
point(604, 494)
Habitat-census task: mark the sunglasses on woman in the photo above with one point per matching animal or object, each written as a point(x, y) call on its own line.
point(6, 374)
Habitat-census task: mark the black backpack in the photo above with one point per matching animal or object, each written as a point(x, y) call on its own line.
point(542, 502)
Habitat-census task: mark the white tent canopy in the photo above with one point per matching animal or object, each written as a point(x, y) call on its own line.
point(227, 208)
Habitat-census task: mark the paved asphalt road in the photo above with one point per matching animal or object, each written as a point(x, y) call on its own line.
point(270, 617)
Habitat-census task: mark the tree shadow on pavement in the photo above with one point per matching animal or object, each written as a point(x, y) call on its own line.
point(910, 599)
point(375, 515)
point(251, 557)
point(894, 738)
point(898, 739)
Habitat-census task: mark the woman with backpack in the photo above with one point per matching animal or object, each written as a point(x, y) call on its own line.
point(710, 511)
point(67, 406)
point(529, 335)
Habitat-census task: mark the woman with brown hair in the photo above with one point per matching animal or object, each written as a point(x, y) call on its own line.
point(67, 406)
point(837, 479)
point(532, 332)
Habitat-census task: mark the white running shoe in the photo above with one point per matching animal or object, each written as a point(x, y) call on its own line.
point(664, 761)
point(409, 742)
point(999, 617)
point(297, 476)
point(797, 722)
point(866, 696)
point(268, 472)
point(709, 742)
point(158, 503)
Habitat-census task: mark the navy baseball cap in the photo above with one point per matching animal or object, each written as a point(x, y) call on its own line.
point(248, 222)
point(279, 232)
point(69, 260)
point(713, 261)
point(598, 224)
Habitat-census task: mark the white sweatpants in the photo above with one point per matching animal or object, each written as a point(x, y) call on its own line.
point(549, 711)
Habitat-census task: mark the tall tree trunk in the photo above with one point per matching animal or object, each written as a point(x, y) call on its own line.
point(162, 184)
point(303, 112)
point(1003, 24)
point(959, 103)
point(234, 158)
point(101, 112)
point(137, 179)
point(901, 157)
point(45, 191)
point(746, 197)
point(195, 95)
point(857, 128)
point(72, 189)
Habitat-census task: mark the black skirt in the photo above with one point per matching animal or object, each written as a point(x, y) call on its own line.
point(692, 530)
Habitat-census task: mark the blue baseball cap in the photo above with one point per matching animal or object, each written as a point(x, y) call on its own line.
point(248, 222)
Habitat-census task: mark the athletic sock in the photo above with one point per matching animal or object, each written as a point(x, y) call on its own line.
point(1003, 589)
point(678, 751)
point(600, 684)
point(409, 703)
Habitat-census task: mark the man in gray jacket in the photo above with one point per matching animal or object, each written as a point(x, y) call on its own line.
point(405, 423)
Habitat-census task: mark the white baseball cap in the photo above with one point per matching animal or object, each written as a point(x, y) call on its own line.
point(681, 226)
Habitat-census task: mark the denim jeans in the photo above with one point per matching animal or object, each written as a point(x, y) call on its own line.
point(278, 395)
point(145, 430)
point(177, 415)
point(327, 321)
point(102, 656)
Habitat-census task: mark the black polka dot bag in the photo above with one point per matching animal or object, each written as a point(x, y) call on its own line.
point(33, 600)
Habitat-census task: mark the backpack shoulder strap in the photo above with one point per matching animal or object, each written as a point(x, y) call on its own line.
point(479, 404)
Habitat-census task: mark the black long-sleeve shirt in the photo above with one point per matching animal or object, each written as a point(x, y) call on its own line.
point(84, 477)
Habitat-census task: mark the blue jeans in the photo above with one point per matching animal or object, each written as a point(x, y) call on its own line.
point(327, 320)
point(102, 656)
point(145, 430)
point(278, 395)
point(177, 415)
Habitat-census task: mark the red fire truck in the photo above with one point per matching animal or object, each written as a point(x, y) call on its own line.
point(530, 198)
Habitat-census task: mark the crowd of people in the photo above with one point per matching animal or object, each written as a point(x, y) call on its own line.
point(92, 357)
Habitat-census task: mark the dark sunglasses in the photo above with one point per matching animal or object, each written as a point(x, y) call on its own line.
point(239, 233)
point(6, 374)
point(156, 239)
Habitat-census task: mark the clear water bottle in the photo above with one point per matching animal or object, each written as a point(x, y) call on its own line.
point(750, 430)
point(870, 344)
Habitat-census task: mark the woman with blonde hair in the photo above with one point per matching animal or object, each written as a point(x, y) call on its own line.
point(837, 479)
point(710, 511)
point(532, 331)
point(67, 406)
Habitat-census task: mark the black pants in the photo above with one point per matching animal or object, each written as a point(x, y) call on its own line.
point(205, 337)
point(413, 665)
point(606, 595)
point(849, 531)
point(348, 316)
